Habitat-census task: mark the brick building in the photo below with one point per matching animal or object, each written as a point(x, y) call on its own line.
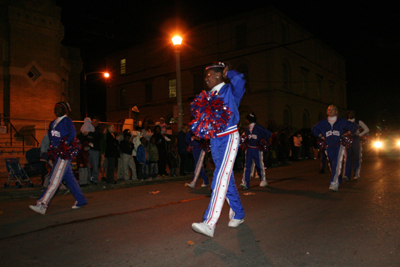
point(291, 76)
point(36, 70)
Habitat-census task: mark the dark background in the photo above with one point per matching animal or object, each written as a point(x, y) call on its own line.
point(365, 34)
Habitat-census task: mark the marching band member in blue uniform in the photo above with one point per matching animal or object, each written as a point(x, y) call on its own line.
point(354, 153)
point(332, 129)
point(61, 131)
point(198, 155)
point(224, 149)
point(254, 133)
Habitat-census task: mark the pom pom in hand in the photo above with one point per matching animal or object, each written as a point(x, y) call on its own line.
point(64, 150)
point(244, 141)
point(211, 116)
point(321, 143)
point(346, 140)
point(263, 145)
point(206, 146)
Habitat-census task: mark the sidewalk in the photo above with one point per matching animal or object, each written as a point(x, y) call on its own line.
point(12, 192)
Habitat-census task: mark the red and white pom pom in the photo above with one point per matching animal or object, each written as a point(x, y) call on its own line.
point(346, 140)
point(211, 115)
point(244, 140)
point(64, 150)
point(263, 145)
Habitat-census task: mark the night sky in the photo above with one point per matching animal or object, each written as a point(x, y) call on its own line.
point(365, 33)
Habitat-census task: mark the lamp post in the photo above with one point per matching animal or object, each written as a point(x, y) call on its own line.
point(105, 74)
point(177, 41)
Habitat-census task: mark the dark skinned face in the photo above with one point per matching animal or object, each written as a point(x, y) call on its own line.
point(59, 111)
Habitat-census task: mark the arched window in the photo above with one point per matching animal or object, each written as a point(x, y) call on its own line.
point(287, 117)
point(306, 119)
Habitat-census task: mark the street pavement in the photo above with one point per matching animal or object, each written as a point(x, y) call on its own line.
point(295, 221)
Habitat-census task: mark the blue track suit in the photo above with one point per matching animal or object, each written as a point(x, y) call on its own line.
point(335, 150)
point(224, 149)
point(62, 170)
point(253, 153)
point(354, 156)
point(198, 155)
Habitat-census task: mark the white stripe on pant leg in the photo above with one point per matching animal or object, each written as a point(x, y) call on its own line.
point(262, 167)
point(244, 170)
point(339, 164)
point(199, 165)
point(220, 194)
point(231, 212)
point(57, 176)
point(358, 171)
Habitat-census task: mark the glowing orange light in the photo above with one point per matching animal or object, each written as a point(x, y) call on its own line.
point(177, 40)
point(106, 74)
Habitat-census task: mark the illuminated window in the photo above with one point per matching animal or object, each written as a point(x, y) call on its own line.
point(172, 88)
point(123, 66)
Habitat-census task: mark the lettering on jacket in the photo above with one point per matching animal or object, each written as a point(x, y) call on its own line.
point(55, 133)
point(252, 136)
point(329, 133)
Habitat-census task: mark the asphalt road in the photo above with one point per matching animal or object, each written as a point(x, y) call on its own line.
point(295, 221)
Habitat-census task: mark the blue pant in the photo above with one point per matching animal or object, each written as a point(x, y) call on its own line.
point(258, 157)
point(94, 157)
point(335, 155)
point(353, 159)
point(62, 171)
point(224, 150)
point(198, 155)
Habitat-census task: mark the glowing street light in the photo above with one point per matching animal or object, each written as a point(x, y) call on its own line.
point(177, 41)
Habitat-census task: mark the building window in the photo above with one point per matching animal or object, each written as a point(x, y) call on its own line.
point(123, 66)
point(34, 73)
point(304, 78)
point(172, 88)
point(241, 36)
point(148, 92)
point(306, 119)
point(122, 96)
point(319, 85)
point(287, 117)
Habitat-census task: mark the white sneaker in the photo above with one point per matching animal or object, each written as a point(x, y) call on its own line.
point(334, 187)
point(204, 185)
point(235, 222)
point(39, 209)
point(190, 185)
point(346, 178)
point(243, 186)
point(203, 228)
point(356, 177)
point(264, 183)
point(75, 206)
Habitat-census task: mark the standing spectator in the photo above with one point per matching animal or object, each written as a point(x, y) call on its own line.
point(162, 149)
point(94, 151)
point(354, 153)
point(182, 150)
point(82, 161)
point(136, 143)
point(111, 153)
point(102, 152)
point(198, 155)
point(163, 126)
point(142, 156)
point(120, 168)
point(254, 133)
point(126, 148)
point(153, 158)
point(224, 149)
point(146, 131)
point(173, 159)
point(332, 129)
point(61, 134)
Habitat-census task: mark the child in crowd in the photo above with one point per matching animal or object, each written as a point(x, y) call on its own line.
point(153, 158)
point(173, 159)
point(82, 161)
point(142, 157)
point(126, 147)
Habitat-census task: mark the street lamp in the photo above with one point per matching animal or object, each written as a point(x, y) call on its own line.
point(105, 74)
point(177, 41)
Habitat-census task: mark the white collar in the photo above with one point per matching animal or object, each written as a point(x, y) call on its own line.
point(217, 87)
point(352, 120)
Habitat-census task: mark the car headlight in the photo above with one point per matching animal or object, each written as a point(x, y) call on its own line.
point(378, 144)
